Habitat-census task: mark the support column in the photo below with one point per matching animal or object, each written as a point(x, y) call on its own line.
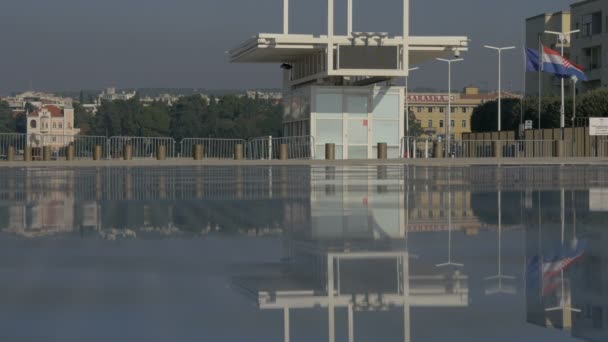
point(330, 37)
point(349, 18)
point(285, 16)
point(286, 324)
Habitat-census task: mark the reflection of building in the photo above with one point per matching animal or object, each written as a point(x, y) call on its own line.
point(430, 110)
point(51, 126)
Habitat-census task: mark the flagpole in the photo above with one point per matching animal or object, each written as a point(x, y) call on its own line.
point(540, 79)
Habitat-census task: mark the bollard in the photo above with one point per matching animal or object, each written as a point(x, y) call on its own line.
point(382, 151)
point(283, 152)
point(161, 152)
point(330, 151)
point(559, 149)
point(46, 153)
point(27, 153)
point(10, 154)
point(127, 152)
point(197, 153)
point(97, 152)
point(497, 149)
point(69, 153)
point(238, 152)
point(437, 149)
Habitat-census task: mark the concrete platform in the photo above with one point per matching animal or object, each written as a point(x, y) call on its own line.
point(210, 162)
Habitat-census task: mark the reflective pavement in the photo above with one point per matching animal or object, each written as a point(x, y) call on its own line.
point(300, 253)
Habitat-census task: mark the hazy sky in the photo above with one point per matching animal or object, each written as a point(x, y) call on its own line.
point(86, 44)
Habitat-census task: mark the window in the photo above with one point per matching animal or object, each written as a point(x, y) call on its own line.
point(593, 57)
point(453, 109)
point(33, 124)
point(464, 123)
point(430, 124)
point(592, 24)
point(419, 109)
point(440, 123)
point(430, 109)
point(441, 109)
point(465, 110)
point(54, 125)
point(452, 123)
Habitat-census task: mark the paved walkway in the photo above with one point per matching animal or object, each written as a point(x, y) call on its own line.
point(209, 162)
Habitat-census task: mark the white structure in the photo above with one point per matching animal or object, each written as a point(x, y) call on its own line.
point(339, 89)
point(51, 126)
point(110, 94)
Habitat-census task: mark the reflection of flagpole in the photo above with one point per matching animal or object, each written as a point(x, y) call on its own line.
point(500, 276)
point(450, 263)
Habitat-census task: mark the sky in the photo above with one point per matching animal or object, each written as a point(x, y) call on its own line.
point(57, 45)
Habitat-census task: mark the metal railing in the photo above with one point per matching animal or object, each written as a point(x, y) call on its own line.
point(83, 146)
point(268, 148)
point(212, 148)
point(416, 148)
point(509, 148)
point(16, 141)
point(141, 147)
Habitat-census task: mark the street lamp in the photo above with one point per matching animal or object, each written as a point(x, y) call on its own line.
point(562, 39)
point(499, 49)
point(448, 114)
point(407, 113)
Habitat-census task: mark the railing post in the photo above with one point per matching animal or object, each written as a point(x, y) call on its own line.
point(437, 149)
point(198, 152)
point(426, 149)
point(330, 151)
point(238, 152)
point(46, 153)
point(97, 152)
point(161, 152)
point(127, 153)
point(69, 153)
point(559, 148)
point(283, 153)
point(497, 149)
point(269, 147)
point(10, 155)
point(27, 153)
point(382, 151)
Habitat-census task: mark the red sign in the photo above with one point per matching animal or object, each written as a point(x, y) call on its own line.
point(365, 123)
point(429, 98)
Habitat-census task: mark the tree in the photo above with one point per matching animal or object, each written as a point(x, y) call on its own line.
point(415, 126)
point(7, 121)
point(593, 104)
point(82, 119)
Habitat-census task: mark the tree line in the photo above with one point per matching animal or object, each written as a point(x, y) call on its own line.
point(485, 116)
point(227, 116)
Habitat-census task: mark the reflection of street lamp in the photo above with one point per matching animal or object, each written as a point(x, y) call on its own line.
point(407, 113)
point(563, 306)
point(448, 114)
point(450, 263)
point(500, 277)
point(500, 50)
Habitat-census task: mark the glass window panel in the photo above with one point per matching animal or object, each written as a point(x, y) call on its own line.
point(357, 106)
point(386, 106)
point(329, 131)
point(386, 132)
point(357, 132)
point(329, 105)
point(357, 152)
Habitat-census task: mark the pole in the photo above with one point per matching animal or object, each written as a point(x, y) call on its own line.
point(499, 90)
point(407, 119)
point(448, 114)
point(563, 105)
point(540, 80)
point(573, 102)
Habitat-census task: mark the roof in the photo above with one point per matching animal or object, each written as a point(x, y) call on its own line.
point(281, 48)
point(55, 111)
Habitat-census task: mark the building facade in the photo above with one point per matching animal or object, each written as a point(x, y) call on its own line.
point(590, 45)
point(51, 126)
point(430, 110)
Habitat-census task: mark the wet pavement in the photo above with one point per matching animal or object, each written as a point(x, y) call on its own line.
point(304, 253)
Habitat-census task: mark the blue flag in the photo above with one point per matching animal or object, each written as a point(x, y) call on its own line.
point(532, 60)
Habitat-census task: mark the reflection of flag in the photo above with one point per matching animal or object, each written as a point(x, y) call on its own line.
point(553, 266)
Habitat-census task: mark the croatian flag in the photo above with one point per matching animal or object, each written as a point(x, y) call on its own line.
point(552, 62)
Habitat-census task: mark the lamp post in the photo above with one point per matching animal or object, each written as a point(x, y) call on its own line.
point(407, 113)
point(562, 40)
point(448, 114)
point(500, 50)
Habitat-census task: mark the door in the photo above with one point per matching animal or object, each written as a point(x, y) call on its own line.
point(357, 126)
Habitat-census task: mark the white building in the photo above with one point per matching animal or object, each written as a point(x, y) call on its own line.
point(110, 94)
point(51, 126)
point(340, 88)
